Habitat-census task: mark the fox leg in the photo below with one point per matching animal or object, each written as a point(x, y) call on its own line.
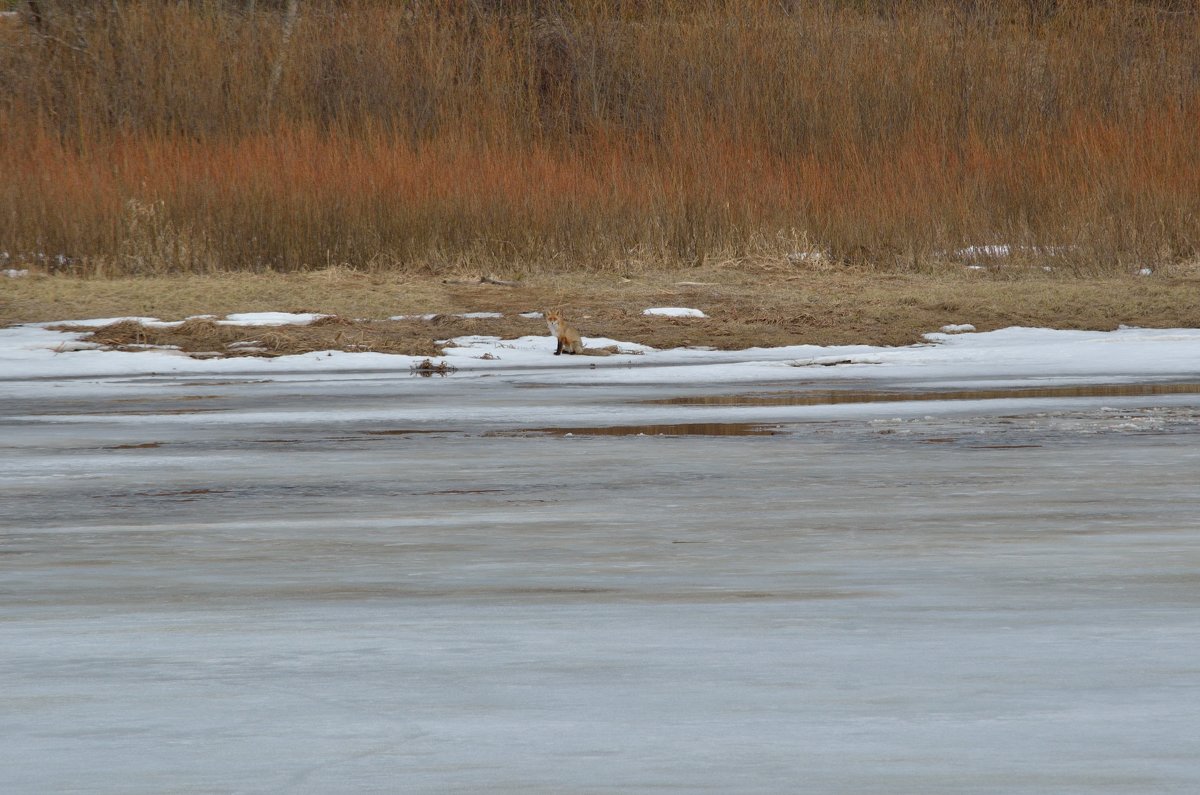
point(558, 350)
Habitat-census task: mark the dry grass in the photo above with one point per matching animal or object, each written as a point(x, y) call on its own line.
point(149, 137)
point(748, 306)
point(201, 336)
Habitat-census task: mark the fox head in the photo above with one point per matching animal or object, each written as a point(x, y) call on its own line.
point(553, 315)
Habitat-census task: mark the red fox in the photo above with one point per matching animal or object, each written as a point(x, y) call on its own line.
point(568, 337)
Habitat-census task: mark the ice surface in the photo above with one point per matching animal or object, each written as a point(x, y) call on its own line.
point(328, 575)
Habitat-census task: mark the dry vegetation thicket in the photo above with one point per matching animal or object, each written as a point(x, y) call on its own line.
point(171, 136)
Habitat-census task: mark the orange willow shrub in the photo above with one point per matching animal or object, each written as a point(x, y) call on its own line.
point(150, 135)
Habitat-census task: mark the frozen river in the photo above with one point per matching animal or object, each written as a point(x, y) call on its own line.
point(371, 582)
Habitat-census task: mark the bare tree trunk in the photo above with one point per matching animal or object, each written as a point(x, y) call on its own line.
point(289, 24)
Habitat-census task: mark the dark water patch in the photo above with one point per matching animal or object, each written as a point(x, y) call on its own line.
point(137, 413)
point(161, 399)
point(404, 432)
point(1002, 446)
point(678, 429)
point(189, 495)
point(829, 397)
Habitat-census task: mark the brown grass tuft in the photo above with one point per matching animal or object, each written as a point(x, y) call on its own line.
point(332, 320)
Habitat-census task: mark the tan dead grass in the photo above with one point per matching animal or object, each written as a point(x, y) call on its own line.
point(747, 306)
point(332, 333)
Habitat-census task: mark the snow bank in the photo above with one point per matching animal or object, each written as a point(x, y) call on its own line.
point(1043, 355)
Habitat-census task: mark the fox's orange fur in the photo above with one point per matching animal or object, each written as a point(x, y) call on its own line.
point(568, 337)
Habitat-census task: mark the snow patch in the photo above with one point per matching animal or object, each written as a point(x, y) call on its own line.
point(957, 328)
point(673, 311)
point(807, 257)
point(465, 316)
point(76, 345)
point(429, 316)
point(270, 319)
point(975, 252)
point(98, 322)
point(14, 273)
point(1004, 250)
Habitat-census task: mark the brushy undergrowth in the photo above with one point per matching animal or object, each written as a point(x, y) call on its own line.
point(172, 136)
